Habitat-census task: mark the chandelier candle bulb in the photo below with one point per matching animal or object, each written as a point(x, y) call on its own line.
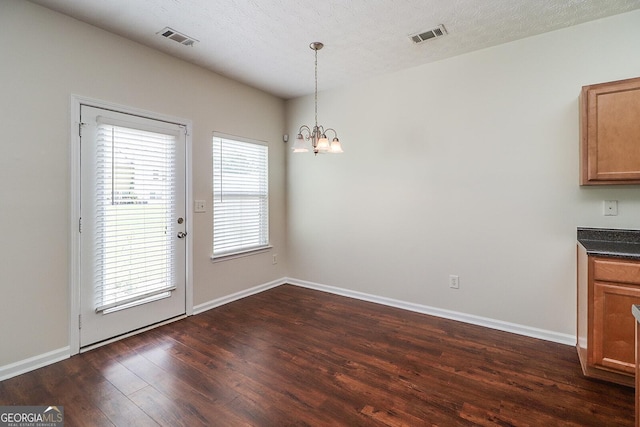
point(318, 135)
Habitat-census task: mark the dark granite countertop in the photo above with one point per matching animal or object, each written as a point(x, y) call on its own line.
point(610, 242)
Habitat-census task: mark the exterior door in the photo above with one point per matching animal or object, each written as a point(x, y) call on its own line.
point(133, 223)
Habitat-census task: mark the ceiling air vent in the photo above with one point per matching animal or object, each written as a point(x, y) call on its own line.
point(172, 34)
point(423, 36)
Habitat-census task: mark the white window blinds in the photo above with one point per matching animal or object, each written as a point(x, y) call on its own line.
point(134, 207)
point(240, 196)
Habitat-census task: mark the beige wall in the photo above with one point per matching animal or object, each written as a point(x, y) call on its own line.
point(45, 57)
point(467, 166)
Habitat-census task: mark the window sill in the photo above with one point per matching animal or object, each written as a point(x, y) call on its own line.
point(234, 255)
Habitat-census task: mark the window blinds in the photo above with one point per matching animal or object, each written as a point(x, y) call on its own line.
point(240, 196)
point(134, 207)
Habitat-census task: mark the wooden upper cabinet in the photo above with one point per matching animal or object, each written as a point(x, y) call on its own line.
point(610, 133)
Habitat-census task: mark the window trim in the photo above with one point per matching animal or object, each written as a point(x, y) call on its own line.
point(240, 254)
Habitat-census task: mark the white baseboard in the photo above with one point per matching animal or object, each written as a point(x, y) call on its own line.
point(447, 314)
point(33, 363)
point(197, 309)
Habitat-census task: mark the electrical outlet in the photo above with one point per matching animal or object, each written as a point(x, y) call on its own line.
point(275, 259)
point(454, 281)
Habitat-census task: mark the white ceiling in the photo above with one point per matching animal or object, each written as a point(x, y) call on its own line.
point(265, 43)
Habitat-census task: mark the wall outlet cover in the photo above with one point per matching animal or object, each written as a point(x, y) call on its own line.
point(610, 207)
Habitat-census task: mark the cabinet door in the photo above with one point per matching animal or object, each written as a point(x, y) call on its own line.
point(610, 133)
point(614, 326)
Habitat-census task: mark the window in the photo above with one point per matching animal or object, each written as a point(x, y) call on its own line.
point(240, 195)
point(135, 204)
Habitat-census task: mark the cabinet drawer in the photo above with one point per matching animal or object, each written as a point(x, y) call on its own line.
point(620, 271)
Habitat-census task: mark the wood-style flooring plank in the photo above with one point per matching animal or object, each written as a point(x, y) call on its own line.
point(294, 356)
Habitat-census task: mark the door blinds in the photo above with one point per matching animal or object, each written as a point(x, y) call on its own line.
point(134, 207)
point(240, 196)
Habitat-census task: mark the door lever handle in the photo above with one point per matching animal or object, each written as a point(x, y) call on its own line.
point(182, 235)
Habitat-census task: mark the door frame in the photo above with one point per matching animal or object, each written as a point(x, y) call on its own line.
point(74, 209)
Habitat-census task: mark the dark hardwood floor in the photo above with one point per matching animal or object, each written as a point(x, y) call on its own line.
point(293, 356)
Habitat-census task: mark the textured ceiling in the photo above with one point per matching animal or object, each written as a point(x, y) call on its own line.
point(265, 43)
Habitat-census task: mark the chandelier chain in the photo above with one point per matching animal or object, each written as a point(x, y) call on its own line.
point(316, 92)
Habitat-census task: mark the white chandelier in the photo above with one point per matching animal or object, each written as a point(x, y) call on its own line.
point(318, 135)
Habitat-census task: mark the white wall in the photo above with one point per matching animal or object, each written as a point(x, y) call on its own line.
point(45, 57)
point(467, 166)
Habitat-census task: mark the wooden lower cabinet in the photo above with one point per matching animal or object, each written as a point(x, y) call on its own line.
point(637, 403)
point(607, 288)
point(614, 326)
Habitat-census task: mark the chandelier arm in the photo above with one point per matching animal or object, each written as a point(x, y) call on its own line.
point(303, 128)
point(335, 134)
